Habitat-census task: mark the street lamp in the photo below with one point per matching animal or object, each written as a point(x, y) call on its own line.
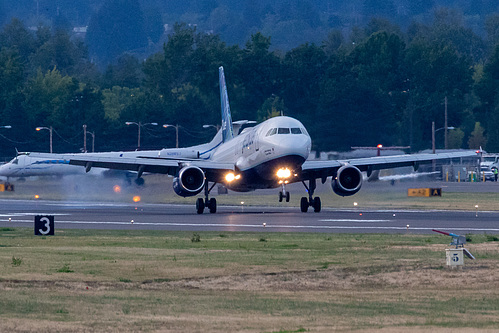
point(214, 126)
point(176, 132)
point(85, 139)
point(6, 126)
point(433, 131)
point(50, 130)
point(139, 125)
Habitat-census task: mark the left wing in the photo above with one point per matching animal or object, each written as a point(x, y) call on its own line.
point(323, 169)
point(214, 171)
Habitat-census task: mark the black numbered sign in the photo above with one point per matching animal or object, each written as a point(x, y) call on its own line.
point(44, 225)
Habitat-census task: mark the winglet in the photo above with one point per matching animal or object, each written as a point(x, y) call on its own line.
point(227, 130)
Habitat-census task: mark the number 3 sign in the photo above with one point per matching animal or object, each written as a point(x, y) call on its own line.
point(44, 225)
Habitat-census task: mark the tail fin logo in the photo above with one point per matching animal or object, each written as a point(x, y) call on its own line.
point(227, 130)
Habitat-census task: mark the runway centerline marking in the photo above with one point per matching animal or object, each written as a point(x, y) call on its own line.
point(216, 225)
point(355, 220)
point(31, 214)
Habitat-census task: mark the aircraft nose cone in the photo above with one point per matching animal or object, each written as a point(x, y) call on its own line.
point(294, 145)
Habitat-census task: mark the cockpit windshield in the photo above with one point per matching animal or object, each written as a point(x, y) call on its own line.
point(285, 130)
point(282, 130)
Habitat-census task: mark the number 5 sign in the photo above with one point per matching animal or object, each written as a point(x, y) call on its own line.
point(44, 225)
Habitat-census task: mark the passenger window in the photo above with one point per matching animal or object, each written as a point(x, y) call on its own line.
point(283, 131)
point(295, 131)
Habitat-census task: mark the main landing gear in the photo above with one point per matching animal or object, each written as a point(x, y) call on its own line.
point(311, 201)
point(211, 204)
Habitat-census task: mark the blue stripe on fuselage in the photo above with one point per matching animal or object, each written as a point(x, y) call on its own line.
point(209, 150)
point(51, 162)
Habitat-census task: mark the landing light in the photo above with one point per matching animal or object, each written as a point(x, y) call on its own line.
point(231, 177)
point(283, 173)
point(136, 198)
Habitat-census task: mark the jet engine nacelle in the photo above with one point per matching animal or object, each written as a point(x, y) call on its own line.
point(348, 181)
point(189, 181)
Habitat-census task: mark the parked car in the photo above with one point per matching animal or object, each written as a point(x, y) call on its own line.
point(486, 173)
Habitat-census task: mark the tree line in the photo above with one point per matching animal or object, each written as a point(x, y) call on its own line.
point(378, 85)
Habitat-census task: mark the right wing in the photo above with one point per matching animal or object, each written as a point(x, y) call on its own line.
point(324, 169)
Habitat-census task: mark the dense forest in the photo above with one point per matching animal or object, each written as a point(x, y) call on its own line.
point(289, 22)
point(379, 81)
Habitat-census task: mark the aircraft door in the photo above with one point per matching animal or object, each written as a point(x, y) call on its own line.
point(21, 163)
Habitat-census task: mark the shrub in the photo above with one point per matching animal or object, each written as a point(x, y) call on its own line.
point(65, 269)
point(492, 238)
point(16, 261)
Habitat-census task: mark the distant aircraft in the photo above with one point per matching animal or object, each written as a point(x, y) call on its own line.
point(269, 155)
point(25, 165)
point(28, 165)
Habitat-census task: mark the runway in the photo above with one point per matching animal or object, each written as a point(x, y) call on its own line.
point(122, 216)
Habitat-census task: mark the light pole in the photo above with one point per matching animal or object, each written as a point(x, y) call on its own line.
point(85, 139)
point(176, 132)
point(93, 140)
point(433, 131)
point(50, 130)
point(6, 126)
point(214, 126)
point(139, 125)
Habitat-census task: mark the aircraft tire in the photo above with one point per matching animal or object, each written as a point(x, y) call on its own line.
point(280, 196)
point(212, 205)
point(200, 205)
point(287, 196)
point(139, 181)
point(304, 204)
point(317, 204)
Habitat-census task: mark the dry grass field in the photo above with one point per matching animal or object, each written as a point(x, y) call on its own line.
point(160, 281)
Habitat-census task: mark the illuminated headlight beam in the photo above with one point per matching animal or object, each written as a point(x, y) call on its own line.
point(230, 177)
point(283, 173)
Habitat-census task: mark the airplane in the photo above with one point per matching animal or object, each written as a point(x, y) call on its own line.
point(24, 165)
point(269, 155)
point(28, 165)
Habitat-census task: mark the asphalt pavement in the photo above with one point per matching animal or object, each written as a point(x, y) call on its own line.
point(124, 216)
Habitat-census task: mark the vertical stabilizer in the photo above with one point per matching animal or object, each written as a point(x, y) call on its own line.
point(227, 130)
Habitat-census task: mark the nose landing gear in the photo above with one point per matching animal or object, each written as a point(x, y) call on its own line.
point(284, 194)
